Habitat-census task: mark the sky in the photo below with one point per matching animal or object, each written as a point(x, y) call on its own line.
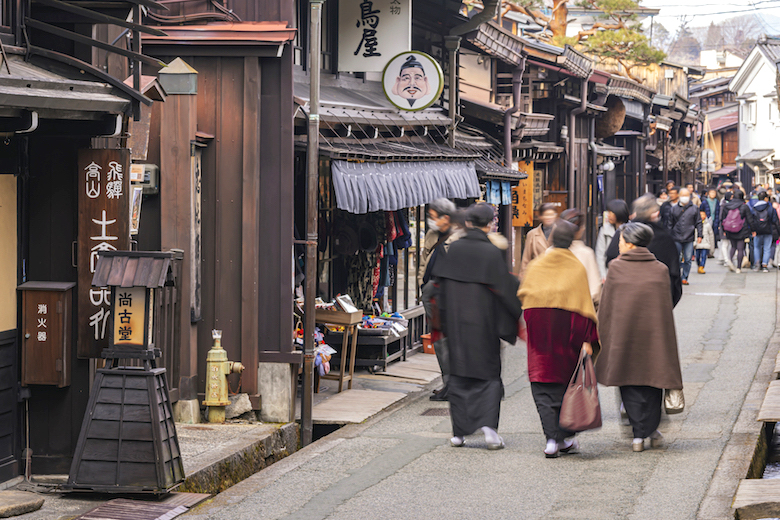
point(699, 13)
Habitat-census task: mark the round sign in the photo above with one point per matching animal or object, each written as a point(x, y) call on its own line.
point(412, 80)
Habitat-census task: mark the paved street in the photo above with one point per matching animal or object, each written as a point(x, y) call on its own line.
point(400, 464)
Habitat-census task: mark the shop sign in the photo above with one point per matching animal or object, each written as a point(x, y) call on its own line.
point(538, 177)
point(412, 80)
point(129, 316)
point(371, 32)
point(522, 198)
point(103, 225)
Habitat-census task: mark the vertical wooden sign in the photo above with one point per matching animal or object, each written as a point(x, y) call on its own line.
point(523, 199)
point(104, 225)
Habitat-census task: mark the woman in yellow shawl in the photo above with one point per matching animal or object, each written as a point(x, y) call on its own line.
point(561, 322)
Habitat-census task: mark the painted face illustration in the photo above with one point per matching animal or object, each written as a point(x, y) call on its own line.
point(411, 83)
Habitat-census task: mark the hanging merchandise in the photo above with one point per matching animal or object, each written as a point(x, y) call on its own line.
point(493, 194)
point(506, 193)
point(404, 239)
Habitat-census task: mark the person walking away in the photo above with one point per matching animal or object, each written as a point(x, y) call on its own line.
point(662, 246)
point(561, 324)
point(685, 223)
point(537, 241)
point(615, 216)
point(773, 253)
point(638, 339)
point(735, 218)
point(711, 207)
point(765, 226)
point(724, 245)
point(704, 242)
point(477, 304)
point(457, 230)
point(666, 207)
point(695, 199)
point(584, 254)
point(440, 230)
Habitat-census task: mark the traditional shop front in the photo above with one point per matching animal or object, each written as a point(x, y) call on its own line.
point(50, 201)
point(379, 167)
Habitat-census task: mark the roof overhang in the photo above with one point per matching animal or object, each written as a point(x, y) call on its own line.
point(626, 88)
point(264, 39)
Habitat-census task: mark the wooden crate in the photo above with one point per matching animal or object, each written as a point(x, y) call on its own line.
point(128, 439)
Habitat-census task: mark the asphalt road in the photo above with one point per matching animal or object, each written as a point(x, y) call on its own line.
point(400, 465)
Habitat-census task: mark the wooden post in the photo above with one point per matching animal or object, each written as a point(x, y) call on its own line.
point(178, 124)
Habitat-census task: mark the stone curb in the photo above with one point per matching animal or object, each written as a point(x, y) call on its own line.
point(744, 455)
point(240, 464)
point(15, 503)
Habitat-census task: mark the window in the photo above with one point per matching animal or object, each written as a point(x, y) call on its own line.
point(329, 36)
point(749, 113)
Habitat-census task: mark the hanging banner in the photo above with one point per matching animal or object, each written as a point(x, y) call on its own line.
point(523, 197)
point(371, 32)
point(412, 81)
point(103, 225)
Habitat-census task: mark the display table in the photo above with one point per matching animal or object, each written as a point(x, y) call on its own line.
point(377, 349)
point(350, 321)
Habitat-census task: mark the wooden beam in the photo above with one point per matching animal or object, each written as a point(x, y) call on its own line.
point(70, 60)
point(250, 225)
point(100, 17)
point(57, 31)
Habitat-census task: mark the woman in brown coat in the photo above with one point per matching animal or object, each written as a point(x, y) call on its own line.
point(638, 339)
point(537, 241)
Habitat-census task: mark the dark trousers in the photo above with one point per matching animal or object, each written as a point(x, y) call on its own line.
point(443, 357)
point(643, 406)
point(548, 398)
point(701, 256)
point(737, 246)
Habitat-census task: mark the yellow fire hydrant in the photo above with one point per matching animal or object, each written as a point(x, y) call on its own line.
point(218, 368)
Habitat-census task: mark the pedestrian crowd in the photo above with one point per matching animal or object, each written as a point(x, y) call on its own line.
point(607, 311)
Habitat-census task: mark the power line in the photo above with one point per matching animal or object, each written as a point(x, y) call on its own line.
point(721, 12)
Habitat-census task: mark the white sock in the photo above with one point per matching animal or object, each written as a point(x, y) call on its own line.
point(639, 440)
point(491, 435)
point(457, 441)
point(552, 447)
point(656, 435)
point(567, 443)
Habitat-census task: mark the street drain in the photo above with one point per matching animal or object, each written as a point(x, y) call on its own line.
point(437, 412)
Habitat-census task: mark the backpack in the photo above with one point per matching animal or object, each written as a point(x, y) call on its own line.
point(762, 216)
point(734, 221)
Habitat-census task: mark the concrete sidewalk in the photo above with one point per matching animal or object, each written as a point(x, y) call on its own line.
point(399, 464)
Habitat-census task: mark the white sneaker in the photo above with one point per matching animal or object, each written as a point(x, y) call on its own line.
point(552, 450)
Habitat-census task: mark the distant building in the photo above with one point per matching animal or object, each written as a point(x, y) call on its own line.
point(759, 121)
point(713, 59)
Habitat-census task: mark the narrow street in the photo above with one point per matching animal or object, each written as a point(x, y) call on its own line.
point(400, 464)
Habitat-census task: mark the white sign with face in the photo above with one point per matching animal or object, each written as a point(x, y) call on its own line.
point(413, 81)
point(371, 31)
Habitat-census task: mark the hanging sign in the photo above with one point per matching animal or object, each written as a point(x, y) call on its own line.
point(103, 225)
point(371, 31)
point(412, 80)
point(523, 197)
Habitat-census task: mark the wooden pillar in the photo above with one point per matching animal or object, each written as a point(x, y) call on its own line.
point(178, 124)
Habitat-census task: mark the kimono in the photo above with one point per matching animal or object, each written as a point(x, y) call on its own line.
point(477, 307)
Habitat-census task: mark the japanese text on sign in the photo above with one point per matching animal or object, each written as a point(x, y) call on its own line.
point(371, 31)
point(103, 226)
point(523, 199)
point(369, 21)
point(129, 307)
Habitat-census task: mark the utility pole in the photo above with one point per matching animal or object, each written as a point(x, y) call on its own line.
point(312, 181)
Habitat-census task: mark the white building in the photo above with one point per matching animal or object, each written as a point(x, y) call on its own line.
point(712, 59)
point(759, 121)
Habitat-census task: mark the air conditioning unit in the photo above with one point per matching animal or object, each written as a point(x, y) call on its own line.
point(147, 176)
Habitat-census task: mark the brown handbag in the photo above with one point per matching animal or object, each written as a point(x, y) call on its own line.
point(580, 410)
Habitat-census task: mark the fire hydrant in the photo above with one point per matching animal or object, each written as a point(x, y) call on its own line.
point(218, 368)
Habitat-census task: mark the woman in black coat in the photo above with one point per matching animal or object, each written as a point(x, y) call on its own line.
point(735, 231)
